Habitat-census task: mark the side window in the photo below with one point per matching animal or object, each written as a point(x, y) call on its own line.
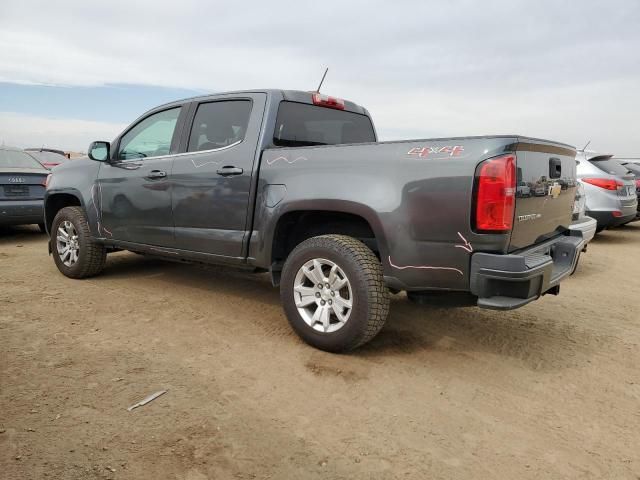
point(219, 124)
point(151, 137)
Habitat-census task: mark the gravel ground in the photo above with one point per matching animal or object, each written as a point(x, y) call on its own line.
point(548, 391)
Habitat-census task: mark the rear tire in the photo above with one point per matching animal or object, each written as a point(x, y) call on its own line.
point(85, 257)
point(339, 275)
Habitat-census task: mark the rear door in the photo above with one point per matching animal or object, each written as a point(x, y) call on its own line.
point(134, 187)
point(212, 178)
point(546, 186)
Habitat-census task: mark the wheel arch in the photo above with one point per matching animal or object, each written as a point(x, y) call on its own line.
point(298, 224)
point(57, 201)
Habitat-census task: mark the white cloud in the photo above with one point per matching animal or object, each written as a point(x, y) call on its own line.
point(72, 135)
point(546, 68)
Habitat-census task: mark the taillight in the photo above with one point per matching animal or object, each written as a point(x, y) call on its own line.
point(638, 184)
point(327, 101)
point(45, 182)
point(606, 183)
point(495, 194)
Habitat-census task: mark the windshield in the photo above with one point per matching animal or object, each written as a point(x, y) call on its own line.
point(300, 124)
point(15, 159)
point(610, 166)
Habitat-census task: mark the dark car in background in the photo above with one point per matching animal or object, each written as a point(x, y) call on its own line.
point(22, 185)
point(48, 157)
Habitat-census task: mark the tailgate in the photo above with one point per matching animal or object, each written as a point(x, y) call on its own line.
point(545, 192)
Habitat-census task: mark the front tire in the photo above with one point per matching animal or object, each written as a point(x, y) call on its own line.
point(333, 292)
point(74, 251)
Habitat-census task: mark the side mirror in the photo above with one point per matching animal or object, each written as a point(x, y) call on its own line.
point(99, 151)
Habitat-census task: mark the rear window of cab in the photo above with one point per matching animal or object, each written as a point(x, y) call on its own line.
point(301, 125)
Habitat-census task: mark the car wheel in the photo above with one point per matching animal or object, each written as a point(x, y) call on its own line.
point(333, 292)
point(75, 252)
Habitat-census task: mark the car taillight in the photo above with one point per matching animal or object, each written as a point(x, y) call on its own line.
point(45, 182)
point(638, 183)
point(606, 183)
point(327, 101)
point(495, 194)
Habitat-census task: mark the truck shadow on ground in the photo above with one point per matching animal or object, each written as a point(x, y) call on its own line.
point(535, 337)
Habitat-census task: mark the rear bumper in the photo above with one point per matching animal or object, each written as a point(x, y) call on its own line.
point(606, 219)
point(587, 226)
point(505, 282)
point(21, 212)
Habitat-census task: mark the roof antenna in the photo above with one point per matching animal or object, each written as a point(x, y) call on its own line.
point(322, 81)
point(585, 147)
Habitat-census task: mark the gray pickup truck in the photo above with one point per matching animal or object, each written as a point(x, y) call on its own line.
point(295, 184)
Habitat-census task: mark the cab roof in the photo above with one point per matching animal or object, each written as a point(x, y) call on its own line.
point(298, 96)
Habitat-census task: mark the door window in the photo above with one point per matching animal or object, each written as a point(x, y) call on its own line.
point(219, 124)
point(151, 137)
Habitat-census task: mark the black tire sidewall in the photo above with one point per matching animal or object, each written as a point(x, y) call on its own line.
point(76, 218)
point(352, 332)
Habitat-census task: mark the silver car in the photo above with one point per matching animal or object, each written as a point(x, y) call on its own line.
point(610, 189)
point(581, 222)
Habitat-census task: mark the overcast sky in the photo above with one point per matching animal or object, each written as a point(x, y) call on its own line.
point(75, 71)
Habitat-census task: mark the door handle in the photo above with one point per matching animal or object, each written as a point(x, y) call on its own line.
point(229, 171)
point(155, 174)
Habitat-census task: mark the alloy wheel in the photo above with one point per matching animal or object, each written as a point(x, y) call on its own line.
point(67, 243)
point(323, 296)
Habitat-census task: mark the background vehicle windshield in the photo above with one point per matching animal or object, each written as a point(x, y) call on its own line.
point(15, 159)
point(300, 124)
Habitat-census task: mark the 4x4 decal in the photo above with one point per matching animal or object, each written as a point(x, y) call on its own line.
point(449, 150)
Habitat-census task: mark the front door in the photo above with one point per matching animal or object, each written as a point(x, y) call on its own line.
point(134, 187)
point(212, 179)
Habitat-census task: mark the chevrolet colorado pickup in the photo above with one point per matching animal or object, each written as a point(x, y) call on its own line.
point(295, 184)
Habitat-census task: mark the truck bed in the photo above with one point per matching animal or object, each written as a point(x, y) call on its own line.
point(418, 194)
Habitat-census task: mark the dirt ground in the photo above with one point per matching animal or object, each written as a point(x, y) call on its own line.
point(548, 391)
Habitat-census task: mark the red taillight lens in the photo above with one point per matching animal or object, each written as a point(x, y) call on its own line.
point(327, 101)
point(606, 183)
point(495, 194)
point(638, 183)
